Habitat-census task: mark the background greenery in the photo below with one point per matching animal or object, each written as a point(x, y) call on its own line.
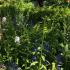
point(44, 34)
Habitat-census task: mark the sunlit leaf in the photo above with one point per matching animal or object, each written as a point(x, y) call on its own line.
point(33, 63)
point(45, 30)
point(36, 27)
point(43, 67)
point(66, 47)
point(43, 58)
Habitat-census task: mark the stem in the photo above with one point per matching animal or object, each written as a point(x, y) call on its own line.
point(0, 30)
point(42, 45)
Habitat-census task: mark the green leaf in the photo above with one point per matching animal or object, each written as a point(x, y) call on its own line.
point(17, 61)
point(33, 63)
point(62, 45)
point(43, 67)
point(27, 60)
point(66, 47)
point(36, 27)
point(45, 29)
point(43, 58)
point(53, 66)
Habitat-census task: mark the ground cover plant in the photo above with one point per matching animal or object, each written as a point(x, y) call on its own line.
point(34, 37)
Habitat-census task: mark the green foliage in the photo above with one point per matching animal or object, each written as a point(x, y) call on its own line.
point(34, 27)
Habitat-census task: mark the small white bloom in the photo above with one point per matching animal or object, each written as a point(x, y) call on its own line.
point(39, 48)
point(17, 39)
point(19, 68)
point(4, 19)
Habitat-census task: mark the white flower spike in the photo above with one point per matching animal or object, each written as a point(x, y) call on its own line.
point(4, 19)
point(17, 39)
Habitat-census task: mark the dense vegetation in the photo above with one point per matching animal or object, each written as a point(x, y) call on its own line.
point(34, 37)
